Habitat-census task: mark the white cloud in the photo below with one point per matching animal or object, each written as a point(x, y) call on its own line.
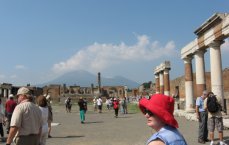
point(225, 46)
point(20, 66)
point(98, 57)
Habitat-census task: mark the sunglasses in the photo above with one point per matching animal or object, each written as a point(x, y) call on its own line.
point(149, 112)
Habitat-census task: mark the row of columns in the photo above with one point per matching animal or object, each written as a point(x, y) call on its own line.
point(162, 81)
point(5, 92)
point(216, 74)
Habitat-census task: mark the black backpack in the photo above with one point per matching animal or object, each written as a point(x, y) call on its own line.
point(212, 104)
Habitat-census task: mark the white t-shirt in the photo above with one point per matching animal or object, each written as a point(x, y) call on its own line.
point(99, 101)
point(44, 112)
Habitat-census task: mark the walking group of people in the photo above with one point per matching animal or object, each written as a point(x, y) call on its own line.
point(208, 111)
point(28, 119)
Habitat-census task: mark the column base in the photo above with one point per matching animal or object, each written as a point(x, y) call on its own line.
point(190, 110)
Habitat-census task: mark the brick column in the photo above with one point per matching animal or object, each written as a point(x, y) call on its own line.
point(200, 72)
point(216, 70)
point(189, 106)
point(166, 82)
point(161, 82)
point(157, 83)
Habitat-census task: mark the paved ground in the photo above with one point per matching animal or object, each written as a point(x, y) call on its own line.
point(104, 129)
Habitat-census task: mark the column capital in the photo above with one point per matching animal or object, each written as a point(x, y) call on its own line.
point(216, 43)
point(188, 59)
point(200, 52)
point(166, 71)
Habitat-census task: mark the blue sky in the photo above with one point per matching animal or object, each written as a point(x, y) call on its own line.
point(40, 40)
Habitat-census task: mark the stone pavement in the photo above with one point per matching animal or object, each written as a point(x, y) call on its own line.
point(104, 129)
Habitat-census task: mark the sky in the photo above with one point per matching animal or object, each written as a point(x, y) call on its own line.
point(41, 40)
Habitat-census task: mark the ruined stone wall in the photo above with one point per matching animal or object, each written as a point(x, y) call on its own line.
point(180, 82)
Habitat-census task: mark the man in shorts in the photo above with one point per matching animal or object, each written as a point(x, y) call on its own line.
point(215, 120)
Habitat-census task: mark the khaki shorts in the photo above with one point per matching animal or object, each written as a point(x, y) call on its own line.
point(215, 122)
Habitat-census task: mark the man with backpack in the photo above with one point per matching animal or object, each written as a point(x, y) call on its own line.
point(202, 116)
point(211, 103)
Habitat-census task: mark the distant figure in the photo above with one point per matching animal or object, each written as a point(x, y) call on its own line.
point(50, 115)
point(9, 108)
point(99, 104)
point(26, 121)
point(158, 111)
point(95, 104)
point(107, 103)
point(68, 105)
point(85, 104)
point(43, 106)
point(2, 120)
point(116, 106)
point(82, 109)
point(124, 105)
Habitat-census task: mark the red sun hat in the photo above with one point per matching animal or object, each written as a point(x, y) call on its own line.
point(162, 106)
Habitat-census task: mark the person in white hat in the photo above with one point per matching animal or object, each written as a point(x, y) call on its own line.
point(9, 108)
point(26, 122)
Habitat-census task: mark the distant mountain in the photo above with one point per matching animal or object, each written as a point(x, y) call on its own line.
point(85, 79)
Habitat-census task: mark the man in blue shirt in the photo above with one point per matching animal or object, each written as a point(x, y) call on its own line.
point(202, 116)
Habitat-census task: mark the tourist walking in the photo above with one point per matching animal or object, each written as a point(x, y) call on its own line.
point(43, 106)
point(116, 106)
point(124, 105)
point(215, 120)
point(9, 108)
point(2, 120)
point(50, 115)
point(95, 104)
point(202, 116)
point(26, 121)
point(99, 104)
point(107, 103)
point(158, 111)
point(68, 104)
point(81, 104)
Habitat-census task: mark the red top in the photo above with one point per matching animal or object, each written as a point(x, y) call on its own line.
point(10, 105)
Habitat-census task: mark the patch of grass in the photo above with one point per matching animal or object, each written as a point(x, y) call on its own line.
point(133, 108)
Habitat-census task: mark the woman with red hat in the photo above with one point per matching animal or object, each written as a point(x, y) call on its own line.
point(158, 111)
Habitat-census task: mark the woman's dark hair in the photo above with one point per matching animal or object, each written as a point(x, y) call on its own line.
point(41, 101)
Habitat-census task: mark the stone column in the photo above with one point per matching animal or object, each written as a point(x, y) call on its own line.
point(189, 106)
point(5, 93)
point(166, 82)
point(0, 91)
point(200, 72)
point(9, 92)
point(216, 70)
point(125, 90)
point(157, 83)
point(161, 82)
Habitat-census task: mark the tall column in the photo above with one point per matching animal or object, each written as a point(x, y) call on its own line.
point(157, 83)
point(189, 106)
point(125, 90)
point(161, 82)
point(200, 72)
point(5, 93)
point(9, 92)
point(0, 91)
point(166, 82)
point(216, 70)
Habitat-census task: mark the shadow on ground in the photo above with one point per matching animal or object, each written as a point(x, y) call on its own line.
point(93, 122)
point(69, 136)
